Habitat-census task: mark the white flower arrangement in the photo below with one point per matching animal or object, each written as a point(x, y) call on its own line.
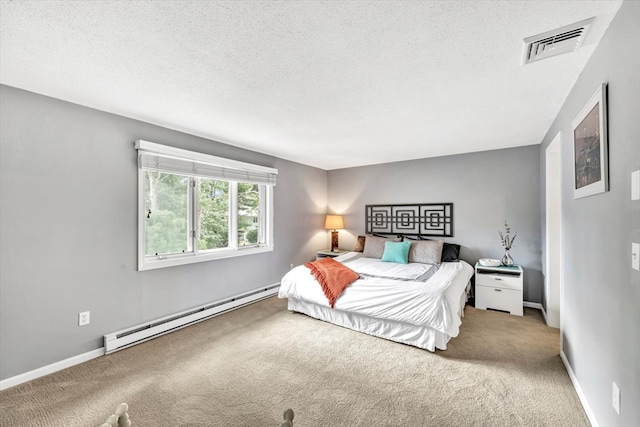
point(507, 240)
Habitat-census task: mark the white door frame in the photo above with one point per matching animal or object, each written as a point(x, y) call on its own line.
point(553, 217)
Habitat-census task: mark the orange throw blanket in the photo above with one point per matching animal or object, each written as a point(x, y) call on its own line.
point(333, 276)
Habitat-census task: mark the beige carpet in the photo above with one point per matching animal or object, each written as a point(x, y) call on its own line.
point(246, 367)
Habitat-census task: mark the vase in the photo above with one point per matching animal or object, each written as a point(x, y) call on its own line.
point(506, 259)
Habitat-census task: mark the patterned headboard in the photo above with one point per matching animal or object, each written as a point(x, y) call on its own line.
point(421, 219)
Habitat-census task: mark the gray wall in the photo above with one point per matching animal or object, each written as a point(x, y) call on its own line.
point(601, 309)
point(68, 222)
point(486, 189)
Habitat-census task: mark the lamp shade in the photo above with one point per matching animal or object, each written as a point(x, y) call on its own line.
point(333, 222)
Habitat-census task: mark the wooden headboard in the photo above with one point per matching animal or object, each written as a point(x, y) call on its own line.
point(421, 219)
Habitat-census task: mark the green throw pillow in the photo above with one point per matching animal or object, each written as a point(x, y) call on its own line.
point(396, 252)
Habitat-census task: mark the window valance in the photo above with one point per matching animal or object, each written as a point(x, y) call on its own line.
point(162, 158)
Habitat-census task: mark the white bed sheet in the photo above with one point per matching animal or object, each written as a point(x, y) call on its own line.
point(423, 314)
point(373, 267)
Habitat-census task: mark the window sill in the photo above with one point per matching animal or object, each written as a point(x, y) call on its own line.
point(154, 263)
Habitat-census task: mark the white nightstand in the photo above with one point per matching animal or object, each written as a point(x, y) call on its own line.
point(326, 253)
point(499, 288)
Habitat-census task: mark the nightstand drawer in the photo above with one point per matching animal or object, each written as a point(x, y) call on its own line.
point(499, 299)
point(499, 281)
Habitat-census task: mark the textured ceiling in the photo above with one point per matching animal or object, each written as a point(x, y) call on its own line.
point(326, 83)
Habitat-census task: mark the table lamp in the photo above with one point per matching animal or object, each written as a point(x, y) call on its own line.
point(333, 222)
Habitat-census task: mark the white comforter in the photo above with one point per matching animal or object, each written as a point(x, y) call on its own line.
point(434, 303)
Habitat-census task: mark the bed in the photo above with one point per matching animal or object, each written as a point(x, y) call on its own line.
point(418, 303)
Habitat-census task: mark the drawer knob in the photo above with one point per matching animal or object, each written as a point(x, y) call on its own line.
point(497, 290)
point(497, 278)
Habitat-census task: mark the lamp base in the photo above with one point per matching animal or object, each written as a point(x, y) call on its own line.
point(334, 241)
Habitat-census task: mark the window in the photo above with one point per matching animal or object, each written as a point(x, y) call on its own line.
point(194, 207)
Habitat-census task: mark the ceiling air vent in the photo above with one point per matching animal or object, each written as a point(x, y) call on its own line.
point(556, 42)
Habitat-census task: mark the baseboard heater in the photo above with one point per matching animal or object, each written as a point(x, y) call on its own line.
point(137, 334)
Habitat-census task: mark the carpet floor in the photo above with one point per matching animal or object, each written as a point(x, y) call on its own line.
point(244, 368)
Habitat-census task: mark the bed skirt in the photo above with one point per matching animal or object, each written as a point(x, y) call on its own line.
point(405, 333)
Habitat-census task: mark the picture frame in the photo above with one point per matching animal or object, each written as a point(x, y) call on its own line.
point(590, 147)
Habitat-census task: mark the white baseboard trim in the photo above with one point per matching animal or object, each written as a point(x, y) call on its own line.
point(535, 305)
point(50, 369)
point(544, 314)
point(576, 386)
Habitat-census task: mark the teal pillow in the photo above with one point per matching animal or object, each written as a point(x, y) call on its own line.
point(396, 252)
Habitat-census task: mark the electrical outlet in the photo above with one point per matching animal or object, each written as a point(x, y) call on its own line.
point(84, 318)
point(635, 256)
point(615, 397)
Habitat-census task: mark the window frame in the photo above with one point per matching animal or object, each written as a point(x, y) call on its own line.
point(195, 256)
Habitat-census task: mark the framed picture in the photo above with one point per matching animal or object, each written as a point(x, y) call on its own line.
point(590, 162)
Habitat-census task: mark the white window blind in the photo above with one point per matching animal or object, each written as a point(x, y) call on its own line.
point(161, 158)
